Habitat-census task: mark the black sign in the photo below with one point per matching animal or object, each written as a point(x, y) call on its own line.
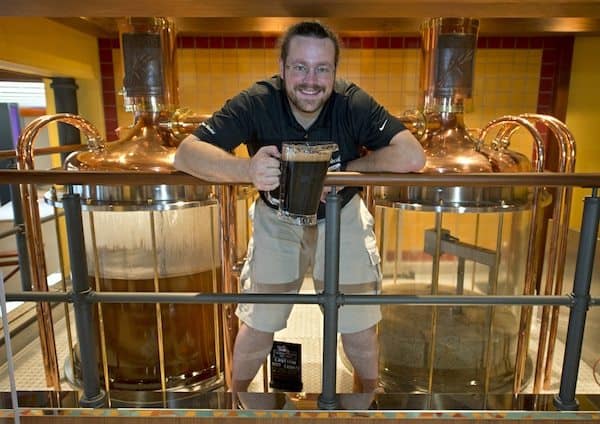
point(286, 366)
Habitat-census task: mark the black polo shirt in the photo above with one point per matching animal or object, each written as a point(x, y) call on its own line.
point(262, 116)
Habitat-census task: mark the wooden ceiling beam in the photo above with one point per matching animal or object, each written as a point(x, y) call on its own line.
point(305, 8)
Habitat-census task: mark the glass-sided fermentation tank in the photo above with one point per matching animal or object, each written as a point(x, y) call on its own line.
point(459, 240)
point(150, 238)
point(152, 249)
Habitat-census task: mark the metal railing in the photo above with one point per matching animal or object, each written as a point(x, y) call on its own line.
point(82, 296)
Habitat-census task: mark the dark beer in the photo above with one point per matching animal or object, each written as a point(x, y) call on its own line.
point(303, 169)
point(302, 184)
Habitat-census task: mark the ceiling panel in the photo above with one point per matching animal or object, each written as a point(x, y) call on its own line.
point(235, 17)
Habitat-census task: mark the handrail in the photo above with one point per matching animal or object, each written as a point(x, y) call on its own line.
point(83, 296)
point(547, 179)
point(9, 154)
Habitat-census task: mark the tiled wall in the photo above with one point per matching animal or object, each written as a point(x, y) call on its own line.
point(512, 74)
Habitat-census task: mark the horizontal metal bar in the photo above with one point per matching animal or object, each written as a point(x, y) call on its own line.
point(30, 296)
point(11, 232)
point(19, 229)
point(11, 176)
point(210, 298)
point(454, 300)
point(7, 154)
point(204, 298)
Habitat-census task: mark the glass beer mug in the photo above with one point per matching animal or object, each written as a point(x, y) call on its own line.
point(303, 168)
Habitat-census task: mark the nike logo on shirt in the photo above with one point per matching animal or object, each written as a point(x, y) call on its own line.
point(383, 126)
point(209, 128)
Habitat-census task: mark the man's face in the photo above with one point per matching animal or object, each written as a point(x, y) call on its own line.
point(308, 74)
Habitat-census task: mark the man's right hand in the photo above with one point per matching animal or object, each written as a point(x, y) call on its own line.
point(264, 168)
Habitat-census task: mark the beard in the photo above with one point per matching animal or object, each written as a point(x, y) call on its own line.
point(307, 98)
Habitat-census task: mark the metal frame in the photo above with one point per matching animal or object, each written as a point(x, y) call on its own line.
point(82, 296)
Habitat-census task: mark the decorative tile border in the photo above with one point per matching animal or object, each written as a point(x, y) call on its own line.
point(385, 415)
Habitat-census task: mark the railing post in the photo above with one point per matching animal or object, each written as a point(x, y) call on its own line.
point(93, 396)
point(327, 398)
point(565, 400)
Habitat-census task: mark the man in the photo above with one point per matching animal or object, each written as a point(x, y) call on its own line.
point(304, 102)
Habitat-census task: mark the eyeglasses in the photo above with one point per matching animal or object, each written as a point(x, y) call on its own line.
point(300, 70)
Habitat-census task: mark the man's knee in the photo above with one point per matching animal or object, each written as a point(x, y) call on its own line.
point(252, 344)
point(361, 343)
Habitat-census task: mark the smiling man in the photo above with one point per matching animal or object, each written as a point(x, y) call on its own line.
point(304, 102)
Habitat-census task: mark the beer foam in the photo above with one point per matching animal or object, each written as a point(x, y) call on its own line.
point(308, 157)
point(185, 242)
point(306, 152)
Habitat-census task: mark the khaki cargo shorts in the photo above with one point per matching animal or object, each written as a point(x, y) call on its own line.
point(280, 254)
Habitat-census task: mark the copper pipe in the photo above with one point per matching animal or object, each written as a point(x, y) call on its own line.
point(435, 277)
point(543, 179)
point(216, 288)
point(30, 132)
point(182, 123)
point(567, 146)
point(513, 122)
point(33, 232)
point(63, 273)
point(528, 289)
point(159, 327)
point(232, 283)
point(508, 125)
point(101, 328)
point(552, 257)
point(227, 197)
point(10, 273)
point(492, 309)
point(8, 154)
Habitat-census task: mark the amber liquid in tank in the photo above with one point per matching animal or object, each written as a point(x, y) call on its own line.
point(131, 334)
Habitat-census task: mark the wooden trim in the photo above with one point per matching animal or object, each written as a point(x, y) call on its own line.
point(304, 8)
point(317, 417)
point(27, 112)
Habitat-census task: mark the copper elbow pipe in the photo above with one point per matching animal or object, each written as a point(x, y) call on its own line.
point(30, 132)
point(511, 123)
point(33, 231)
point(508, 126)
point(556, 250)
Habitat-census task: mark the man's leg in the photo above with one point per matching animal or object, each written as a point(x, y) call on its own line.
point(362, 350)
point(249, 353)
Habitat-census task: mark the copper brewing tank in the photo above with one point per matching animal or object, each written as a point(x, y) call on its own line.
point(453, 240)
point(150, 92)
point(446, 85)
point(151, 237)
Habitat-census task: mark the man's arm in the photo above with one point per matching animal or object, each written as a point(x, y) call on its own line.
point(403, 154)
point(211, 163)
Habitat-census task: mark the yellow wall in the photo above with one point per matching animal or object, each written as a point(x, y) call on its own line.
point(48, 49)
point(583, 113)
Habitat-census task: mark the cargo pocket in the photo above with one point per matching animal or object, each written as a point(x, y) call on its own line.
point(375, 262)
